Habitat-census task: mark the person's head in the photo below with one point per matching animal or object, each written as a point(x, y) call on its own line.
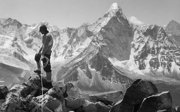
point(43, 29)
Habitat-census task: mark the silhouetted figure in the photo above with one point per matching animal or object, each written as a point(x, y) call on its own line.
point(44, 53)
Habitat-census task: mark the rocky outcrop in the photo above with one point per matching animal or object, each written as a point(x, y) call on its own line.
point(134, 96)
point(143, 96)
point(3, 91)
point(27, 97)
point(161, 101)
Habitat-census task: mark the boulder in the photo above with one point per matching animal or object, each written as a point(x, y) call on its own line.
point(3, 91)
point(120, 107)
point(134, 95)
point(34, 87)
point(157, 102)
point(20, 95)
point(44, 102)
point(177, 109)
point(13, 100)
point(12, 103)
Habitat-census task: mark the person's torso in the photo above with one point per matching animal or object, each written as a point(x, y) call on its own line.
point(47, 39)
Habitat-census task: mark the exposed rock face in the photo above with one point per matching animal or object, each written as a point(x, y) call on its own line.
point(115, 32)
point(154, 52)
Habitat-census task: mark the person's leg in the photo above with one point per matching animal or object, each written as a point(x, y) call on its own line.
point(47, 67)
point(37, 59)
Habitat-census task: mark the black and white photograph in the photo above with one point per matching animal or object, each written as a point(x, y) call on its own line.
point(89, 55)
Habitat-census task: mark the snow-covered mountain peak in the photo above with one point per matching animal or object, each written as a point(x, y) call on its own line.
point(173, 22)
point(114, 7)
point(113, 15)
point(173, 31)
point(173, 27)
point(9, 26)
point(10, 21)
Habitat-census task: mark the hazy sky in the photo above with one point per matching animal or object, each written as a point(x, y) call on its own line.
point(73, 13)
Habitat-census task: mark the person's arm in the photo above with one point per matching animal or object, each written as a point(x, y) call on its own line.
point(40, 50)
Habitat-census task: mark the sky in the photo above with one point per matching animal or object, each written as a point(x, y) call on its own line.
point(73, 13)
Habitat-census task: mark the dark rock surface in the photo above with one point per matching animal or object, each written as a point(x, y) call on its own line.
point(177, 109)
point(173, 89)
point(134, 96)
point(141, 96)
point(161, 101)
point(3, 91)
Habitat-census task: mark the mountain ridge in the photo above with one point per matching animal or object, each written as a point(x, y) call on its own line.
point(76, 50)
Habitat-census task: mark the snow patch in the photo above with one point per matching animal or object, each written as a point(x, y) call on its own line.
point(135, 21)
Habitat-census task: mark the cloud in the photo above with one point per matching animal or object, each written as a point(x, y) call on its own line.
point(135, 21)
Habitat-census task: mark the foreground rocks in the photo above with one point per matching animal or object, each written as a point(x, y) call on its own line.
point(161, 101)
point(141, 96)
point(3, 91)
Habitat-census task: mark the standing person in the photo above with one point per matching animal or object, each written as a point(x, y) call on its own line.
point(44, 53)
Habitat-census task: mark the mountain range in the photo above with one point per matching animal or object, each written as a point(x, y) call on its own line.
point(103, 56)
